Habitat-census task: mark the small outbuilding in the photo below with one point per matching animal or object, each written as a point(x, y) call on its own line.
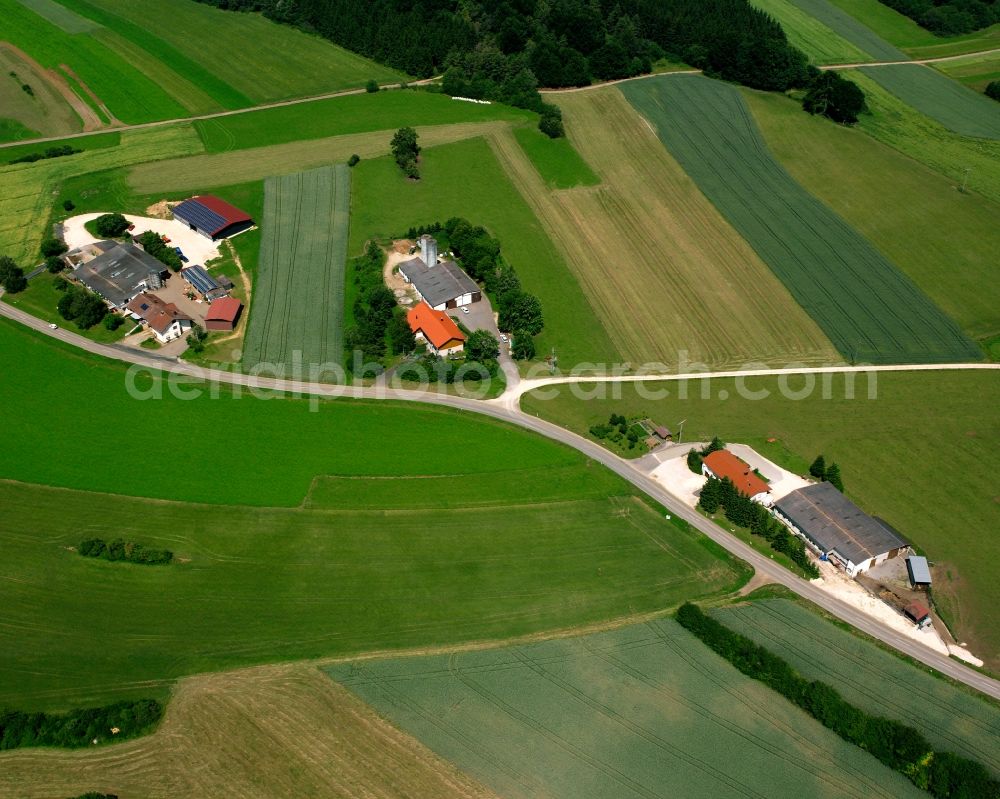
point(213, 217)
point(202, 282)
point(223, 314)
point(662, 433)
point(919, 571)
point(917, 613)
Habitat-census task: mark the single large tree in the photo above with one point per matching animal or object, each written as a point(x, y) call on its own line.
point(405, 150)
point(818, 468)
point(482, 346)
point(835, 97)
point(832, 476)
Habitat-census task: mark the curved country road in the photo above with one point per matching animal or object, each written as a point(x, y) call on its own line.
point(507, 410)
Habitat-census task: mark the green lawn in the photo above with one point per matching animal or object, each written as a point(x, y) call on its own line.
point(913, 456)
point(132, 96)
point(96, 141)
point(889, 198)
point(338, 116)
point(635, 713)
point(560, 166)
point(13, 130)
point(464, 179)
point(814, 38)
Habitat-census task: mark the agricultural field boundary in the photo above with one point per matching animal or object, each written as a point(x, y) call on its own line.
point(814, 38)
point(850, 29)
point(298, 307)
point(870, 310)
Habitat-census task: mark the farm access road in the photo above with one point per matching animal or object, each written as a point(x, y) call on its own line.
point(508, 410)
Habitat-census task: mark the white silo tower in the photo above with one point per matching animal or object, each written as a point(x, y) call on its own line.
point(428, 250)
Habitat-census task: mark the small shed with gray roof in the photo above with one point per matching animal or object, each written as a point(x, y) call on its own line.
point(442, 285)
point(919, 571)
point(834, 526)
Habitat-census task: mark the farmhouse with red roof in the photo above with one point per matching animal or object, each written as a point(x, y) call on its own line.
point(223, 314)
point(213, 217)
point(722, 463)
point(436, 328)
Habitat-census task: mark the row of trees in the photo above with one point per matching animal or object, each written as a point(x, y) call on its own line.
point(49, 152)
point(949, 17)
point(829, 474)
point(122, 550)
point(153, 243)
point(379, 323)
point(898, 746)
point(742, 511)
point(79, 727)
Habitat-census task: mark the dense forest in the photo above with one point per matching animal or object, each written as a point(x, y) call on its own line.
point(949, 17)
point(504, 50)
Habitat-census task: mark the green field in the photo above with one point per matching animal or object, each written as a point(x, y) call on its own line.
point(975, 71)
point(869, 309)
point(953, 720)
point(947, 101)
point(642, 711)
point(850, 29)
point(912, 456)
point(12, 130)
point(96, 141)
point(974, 162)
point(60, 16)
point(889, 199)
point(464, 179)
point(339, 116)
point(814, 38)
point(297, 314)
point(560, 166)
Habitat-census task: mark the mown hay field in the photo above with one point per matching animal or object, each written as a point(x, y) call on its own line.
point(667, 276)
point(889, 198)
point(947, 508)
point(952, 719)
point(812, 37)
point(465, 179)
point(260, 585)
point(297, 315)
point(849, 28)
point(869, 309)
point(957, 107)
point(253, 734)
point(974, 163)
point(43, 113)
point(27, 190)
point(642, 711)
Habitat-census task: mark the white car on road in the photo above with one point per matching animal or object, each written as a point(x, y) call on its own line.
point(503, 337)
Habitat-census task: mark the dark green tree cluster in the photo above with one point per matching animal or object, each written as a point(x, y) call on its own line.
point(405, 151)
point(949, 17)
point(50, 152)
point(379, 323)
point(895, 744)
point(617, 430)
point(79, 727)
point(53, 246)
point(742, 511)
point(695, 456)
point(153, 243)
point(501, 50)
point(122, 550)
point(992, 90)
point(12, 276)
point(81, 306)
point(830, 474)
point(111, 226)
point(831, 95)
point(197, 339)
point(96, 795)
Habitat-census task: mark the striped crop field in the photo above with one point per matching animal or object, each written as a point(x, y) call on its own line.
point(849, 28)
point(640, 712)
point(869, 309)
point(953, 719)
point(957, 107)
point(812, 37)
point(298, 304)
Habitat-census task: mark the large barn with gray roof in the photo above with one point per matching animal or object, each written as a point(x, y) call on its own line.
point(440, 284)
point(834, 526)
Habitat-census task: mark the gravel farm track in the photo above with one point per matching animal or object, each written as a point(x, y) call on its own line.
point(507, 408)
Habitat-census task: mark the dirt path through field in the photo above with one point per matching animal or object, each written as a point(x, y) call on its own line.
point(58, 82)
point(112, 119)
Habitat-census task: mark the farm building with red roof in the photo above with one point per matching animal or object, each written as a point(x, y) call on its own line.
point(722, 464)
point(436, 328)
point(213, 217)
point(223, 314)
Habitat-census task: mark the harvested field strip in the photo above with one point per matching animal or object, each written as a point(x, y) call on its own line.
point(957, 107)
point(643, 711)
point(811, 36)
point(281, 159)
point(26, 190)
point(974, 163)
point(846, 26)
point(61, 16)
point(952, 719)
point(259, 585)
point(870, 310)
point(254, 734)
point(665, 273)
point(298, 309)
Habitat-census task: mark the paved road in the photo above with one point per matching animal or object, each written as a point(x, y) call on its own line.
point(505, 411)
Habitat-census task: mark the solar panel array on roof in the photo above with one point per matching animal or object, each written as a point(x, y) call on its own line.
point(200, 279)
point(197, 214)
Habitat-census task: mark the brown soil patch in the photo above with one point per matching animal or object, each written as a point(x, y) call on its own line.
point(90, 119)
point(267, 732)
point(90, 92)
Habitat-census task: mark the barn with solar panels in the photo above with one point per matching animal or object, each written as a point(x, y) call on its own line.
point(213, 217)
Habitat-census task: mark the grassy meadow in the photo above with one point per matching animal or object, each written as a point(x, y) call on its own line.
point(44, 112)
point(559, 165)
point(814, 38)
point(869, 309)
point(641, 711)
point(889, 198)
point(975, 71)
point(953, 719)
point(912, 457)
point(663, 270)
point(465, 179)
point(298, 304)
point(849, 28)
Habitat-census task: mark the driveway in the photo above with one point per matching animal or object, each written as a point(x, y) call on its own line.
point(480, 317)
point(197, 249)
